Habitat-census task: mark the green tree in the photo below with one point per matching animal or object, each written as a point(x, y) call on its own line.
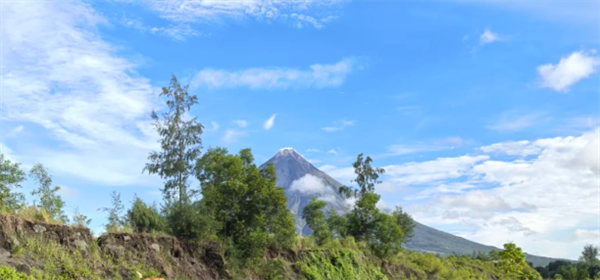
point(11, 177)
point(513, 261)
point(406, 223)
point(144, 218)
point(589, 254)
point(315, 219)
point(361, 221)
point(180, 142)
point(115, 218)
point(338, 225)
point(80, 219)
point(50, 201)
point(366, 178)
point(250, 209)
point(388, 236)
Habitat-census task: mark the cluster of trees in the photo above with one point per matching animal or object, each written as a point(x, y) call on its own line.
point(588, 266)
point(384, 233)
point(47, 205)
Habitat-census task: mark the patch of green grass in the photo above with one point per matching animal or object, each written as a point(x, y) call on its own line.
point(10, 273)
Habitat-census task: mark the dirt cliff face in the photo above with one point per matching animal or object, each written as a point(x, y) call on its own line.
point(170, 256)
point(120, 252)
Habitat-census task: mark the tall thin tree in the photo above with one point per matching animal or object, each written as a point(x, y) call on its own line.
point(180, 141)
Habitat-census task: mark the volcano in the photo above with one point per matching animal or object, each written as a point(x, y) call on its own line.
point(301, 181)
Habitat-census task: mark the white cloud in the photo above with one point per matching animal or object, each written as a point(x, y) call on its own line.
point(476, 200)
point(318, 76)
point(63, 77)
point(14, 132)
point(511, 121)
point(68, 193)
point(397, 150)
point(240, 123)
point(313, 185)
point(338, 125)
point(232, 135)
point(533, 201)
point(512, 148)
point(585, 234)
point(488, 37)
point(343, 174)
point(270, 122)
point(309, 184)
point(568, 71)
point(296, 13)
point(215, 126)
point(437, 145)
point(313, 151)
point(428, 172)
point(178, 32)
point(333, 152)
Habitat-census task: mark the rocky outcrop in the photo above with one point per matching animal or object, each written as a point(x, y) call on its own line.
point(171, 257)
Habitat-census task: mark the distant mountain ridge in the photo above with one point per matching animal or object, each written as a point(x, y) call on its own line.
point(293, 170)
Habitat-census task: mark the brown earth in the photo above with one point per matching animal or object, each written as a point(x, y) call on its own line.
point(170, 256)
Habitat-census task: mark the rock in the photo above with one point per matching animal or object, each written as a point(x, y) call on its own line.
point(13, 242)
point(24, 268)
point(126, 237)
point(80, 244)
point(115, 251)
point(4, 254)
point(156, 247)
point(39, 228)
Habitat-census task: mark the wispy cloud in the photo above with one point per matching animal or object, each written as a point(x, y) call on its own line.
point(313, 151)
point(488, 37)
point(240, 123)
point(232, 135)
point(338, 125)
point(333, 152)
point(513, 121)
point(78, 90)
point(317, 76)
point(215, 126)
point(270, 122)
point(432, 146)
point(568, 71)
point(297, 13)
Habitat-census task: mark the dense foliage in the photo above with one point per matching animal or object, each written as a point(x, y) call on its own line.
point(11, 177)
point(588, 266)
point(383, 232)
point(144, 218)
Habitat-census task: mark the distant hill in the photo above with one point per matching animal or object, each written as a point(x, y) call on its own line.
point(427, 239)
point(291, 166)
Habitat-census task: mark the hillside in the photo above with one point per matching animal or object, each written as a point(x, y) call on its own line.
point(291, 166)
point(36, 250)
point(427, 239)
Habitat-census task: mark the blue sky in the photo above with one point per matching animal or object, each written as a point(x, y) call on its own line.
point(484, 114)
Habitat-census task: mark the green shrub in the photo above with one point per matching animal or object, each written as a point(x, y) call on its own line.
point(144, 218)
point(10, 273)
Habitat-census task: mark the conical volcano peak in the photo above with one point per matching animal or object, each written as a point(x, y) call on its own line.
point(289, 152)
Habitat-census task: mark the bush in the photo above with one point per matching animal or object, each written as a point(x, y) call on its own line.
point(144, 218)
point(10, 273)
